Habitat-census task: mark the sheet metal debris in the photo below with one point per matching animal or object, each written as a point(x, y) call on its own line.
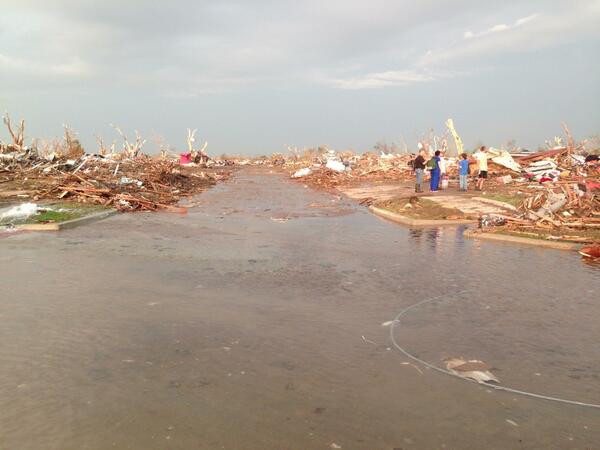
point(473, 369)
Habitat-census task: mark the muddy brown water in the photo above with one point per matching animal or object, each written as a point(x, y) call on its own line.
point(241, 325)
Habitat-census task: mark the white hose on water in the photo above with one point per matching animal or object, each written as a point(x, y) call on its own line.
point(396, 321)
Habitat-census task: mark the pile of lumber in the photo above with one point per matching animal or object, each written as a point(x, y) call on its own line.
point(127, 183)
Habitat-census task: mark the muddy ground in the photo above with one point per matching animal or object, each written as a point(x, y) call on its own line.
point(255, 323)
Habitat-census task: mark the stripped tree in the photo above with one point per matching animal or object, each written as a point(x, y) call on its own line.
point(72, 147)
point(102, 148)
point(570, 140)
point(131, 150)
point(166, 150)
point(17, 136)
point(294, 151)
point(199, 155)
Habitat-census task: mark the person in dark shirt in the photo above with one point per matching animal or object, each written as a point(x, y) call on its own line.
point(419, 167)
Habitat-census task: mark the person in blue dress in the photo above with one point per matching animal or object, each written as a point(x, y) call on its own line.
point(434, 166)
point(463, 172)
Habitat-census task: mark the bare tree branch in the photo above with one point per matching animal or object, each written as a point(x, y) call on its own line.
point(18, 137)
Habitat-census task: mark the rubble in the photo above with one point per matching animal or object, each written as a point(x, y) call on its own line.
point(336, 166)
point(328, 169)
point(559, 187)
point(504, 159)
point(565, 197)
point(127, 183)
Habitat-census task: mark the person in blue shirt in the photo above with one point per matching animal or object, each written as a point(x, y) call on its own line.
point(463, 172)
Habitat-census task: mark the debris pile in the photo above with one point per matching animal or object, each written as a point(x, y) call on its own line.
point(561, 207)
point(127, 183)
point(327, 169)
point(559, 188)
point(556, 164)
point(564, 193)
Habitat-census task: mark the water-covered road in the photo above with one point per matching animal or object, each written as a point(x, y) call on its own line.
point(254, 322)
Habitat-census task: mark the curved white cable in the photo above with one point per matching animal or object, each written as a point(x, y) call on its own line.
point(396, 321)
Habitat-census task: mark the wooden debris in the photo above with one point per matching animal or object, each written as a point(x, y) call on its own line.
point(123, 181)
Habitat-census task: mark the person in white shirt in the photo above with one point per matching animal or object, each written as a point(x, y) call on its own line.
point(442, 165)
point(482, 162)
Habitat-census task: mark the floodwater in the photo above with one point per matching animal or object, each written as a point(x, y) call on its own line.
point(254, 322)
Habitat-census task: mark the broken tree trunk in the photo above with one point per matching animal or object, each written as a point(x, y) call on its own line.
point(18, 137)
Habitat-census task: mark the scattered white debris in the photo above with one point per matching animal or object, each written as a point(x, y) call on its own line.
point(302, 173)
point(412, 365)
point(125, 180)
point(19, 212)
point(505, 159)
point(368, 340)
point(512, 422)
point(388, 323)
point(338, 166)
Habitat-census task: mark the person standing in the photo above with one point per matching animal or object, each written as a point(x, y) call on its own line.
point(463, 172)
point(434, 165)
point(442, 164)
point(482, 162)
point(419, 167)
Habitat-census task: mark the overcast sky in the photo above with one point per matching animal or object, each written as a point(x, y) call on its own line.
point(256, 75)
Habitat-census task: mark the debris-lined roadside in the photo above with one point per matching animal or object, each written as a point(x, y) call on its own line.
point(551, 194)
point(32, 213)
point(51, 216)
point(126, 181)
point(127, 184)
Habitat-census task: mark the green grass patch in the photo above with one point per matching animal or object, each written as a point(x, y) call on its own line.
point(512, 199)
point(420, 208)
point(56, 213)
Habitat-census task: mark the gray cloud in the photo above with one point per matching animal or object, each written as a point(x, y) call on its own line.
point(187, 49)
